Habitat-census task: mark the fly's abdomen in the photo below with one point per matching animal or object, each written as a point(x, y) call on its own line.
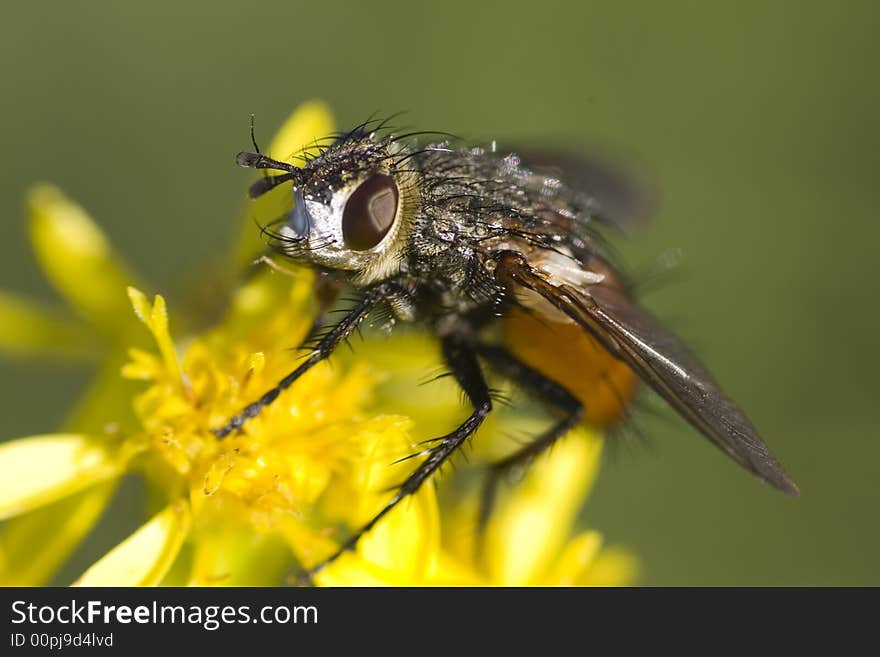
point(570, 356)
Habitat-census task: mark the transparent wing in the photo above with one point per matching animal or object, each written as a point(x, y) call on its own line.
point(662, 361)
point(620, 196)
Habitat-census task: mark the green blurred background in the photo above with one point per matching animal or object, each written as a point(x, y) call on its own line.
point(758, 120)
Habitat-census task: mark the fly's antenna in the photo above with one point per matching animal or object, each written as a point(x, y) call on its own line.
point(253, 138)
point(267, 183)
point(257, 160)
point(260, 161)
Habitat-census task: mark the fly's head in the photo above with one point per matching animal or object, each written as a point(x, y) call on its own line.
point(353, 206)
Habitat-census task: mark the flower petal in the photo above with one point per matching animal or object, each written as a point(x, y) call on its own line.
point(407, 540)
point(41, 469)
point(27, 329)
point(575, 559)
point(78, 259)
point(144, 557)
point(35, 544)
point(309, 546)
point(613, 567)
point(253, 314)
point(401, 550)
point(309, 122)
point(238, 556)
point(406, 360)
point(526, 533)
point(107, 398)
point(155, 316)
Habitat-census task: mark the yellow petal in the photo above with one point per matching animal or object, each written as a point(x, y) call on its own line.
point(407, 540)
point(309, 122)
point(613, 567)
point(78, 259)
point(400, 551)
point(528, 530)
point(237, 556)
point(253, 315)
point(33, 546)
point(155, 316)
point(575, 559)
point(450, 571)
point(27, 329)
point(353, 570)
point(144, 557)
point(41, 469)
point(309, 546)
point(143, 366)
point(410, 360)
point(107, 398)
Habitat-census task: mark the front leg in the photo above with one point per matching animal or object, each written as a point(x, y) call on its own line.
point(324, 347)
point(462, 360)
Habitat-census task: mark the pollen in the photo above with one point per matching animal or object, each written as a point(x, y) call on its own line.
point(315, 436)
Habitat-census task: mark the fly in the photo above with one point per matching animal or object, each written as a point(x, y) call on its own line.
point(461, 240)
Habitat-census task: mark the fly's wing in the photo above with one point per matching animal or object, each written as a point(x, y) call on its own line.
point(617, 194)
point(661, 360)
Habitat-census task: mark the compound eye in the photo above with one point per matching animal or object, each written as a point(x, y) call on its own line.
point(369, 212)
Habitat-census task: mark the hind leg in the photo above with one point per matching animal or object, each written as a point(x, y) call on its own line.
point(552, 392)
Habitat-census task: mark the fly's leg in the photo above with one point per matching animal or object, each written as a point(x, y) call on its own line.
point(462, 360)
point(552, 392)
point(322, 349)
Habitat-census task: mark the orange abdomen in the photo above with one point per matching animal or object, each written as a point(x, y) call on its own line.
point(570, 356)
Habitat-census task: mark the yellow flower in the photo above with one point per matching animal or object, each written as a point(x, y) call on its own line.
point(281, 495)
point(527, 542)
